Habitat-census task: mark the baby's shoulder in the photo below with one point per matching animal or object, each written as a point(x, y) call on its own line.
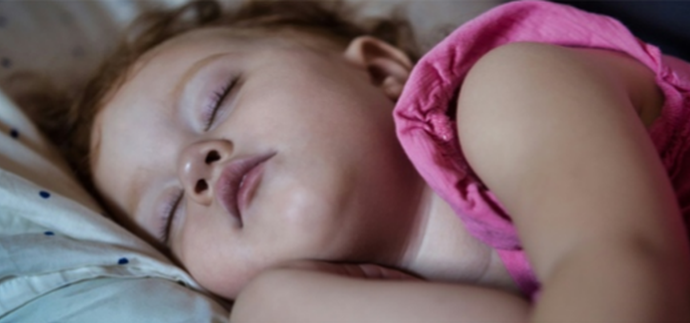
point(622, 72)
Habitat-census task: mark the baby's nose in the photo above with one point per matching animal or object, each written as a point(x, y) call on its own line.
point(198, 168)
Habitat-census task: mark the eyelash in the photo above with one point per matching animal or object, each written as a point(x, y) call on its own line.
point(218, 98)
point(170, 210)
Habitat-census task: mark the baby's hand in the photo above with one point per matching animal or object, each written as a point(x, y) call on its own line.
point(354, 270)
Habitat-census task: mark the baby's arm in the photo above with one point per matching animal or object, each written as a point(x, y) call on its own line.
point(335, 293)
point(553, 132)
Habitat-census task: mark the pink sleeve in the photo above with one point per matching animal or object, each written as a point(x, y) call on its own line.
point(425, 112)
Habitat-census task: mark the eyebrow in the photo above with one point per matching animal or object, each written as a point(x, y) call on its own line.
point(192, 71)
point(136, 188)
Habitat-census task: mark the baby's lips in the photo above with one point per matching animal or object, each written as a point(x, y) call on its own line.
point(228, 185)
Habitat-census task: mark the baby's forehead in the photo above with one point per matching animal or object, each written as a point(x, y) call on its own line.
point(195, 41)
point(239, 39)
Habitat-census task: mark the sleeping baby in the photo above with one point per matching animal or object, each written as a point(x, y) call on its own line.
point(311, 168)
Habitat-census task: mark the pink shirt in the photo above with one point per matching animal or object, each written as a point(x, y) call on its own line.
point(425, 123)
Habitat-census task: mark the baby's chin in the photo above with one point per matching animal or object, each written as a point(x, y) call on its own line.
point(228, 289)
point(231, 286)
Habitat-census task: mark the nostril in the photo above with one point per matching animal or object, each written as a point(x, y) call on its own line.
point(212, 156)
point(200, 186)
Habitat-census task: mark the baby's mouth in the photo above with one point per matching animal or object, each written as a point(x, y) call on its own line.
point(238, 181)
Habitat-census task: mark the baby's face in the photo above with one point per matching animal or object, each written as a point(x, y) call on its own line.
point(247, 153)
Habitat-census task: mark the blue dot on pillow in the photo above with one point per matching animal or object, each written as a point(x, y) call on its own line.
point(3, 20)
point(49, 233)
point(14, 133)
point(123, 261)
point(44, 194)
point(5, 62)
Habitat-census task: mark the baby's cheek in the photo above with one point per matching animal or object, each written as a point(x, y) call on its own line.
point(301, 213)
point(218, 271)
point(297, 224)
point(208, 251)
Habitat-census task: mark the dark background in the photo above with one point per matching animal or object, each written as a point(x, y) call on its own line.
point(665, 24)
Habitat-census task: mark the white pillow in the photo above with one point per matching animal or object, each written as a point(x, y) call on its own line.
point(62, 260)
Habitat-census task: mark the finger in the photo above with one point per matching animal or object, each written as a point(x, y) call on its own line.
point(379, 272)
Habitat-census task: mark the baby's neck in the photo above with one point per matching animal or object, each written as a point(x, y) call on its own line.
point(443, 250)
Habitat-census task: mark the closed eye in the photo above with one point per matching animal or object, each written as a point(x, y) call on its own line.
point(170, 211)
point(219, 97)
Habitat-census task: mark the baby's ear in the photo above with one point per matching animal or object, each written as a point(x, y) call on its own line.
point(388, 66)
